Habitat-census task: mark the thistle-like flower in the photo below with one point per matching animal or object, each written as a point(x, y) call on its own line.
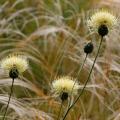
point(14, 64)
point(64, 86)
point(102, 22)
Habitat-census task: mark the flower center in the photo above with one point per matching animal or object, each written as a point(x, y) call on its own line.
point(64, 96)
point(14, 73)
point(103, 30)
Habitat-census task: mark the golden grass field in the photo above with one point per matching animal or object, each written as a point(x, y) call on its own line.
point(52, 35)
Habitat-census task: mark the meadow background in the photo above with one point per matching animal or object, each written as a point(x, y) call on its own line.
point(52, 34)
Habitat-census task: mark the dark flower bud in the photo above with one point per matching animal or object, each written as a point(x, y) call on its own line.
point(13, 73)
point(64, 96)
point(88, 48)
point(103, 30)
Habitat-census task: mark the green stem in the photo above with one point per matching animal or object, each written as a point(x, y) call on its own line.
point(9, 99)
point(85, 82)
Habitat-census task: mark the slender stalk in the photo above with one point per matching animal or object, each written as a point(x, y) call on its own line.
point(60, 110)
point(9, 99)
point(86, 80)
point(78, 76)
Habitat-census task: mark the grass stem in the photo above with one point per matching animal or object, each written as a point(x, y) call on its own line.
point(9, 99)
point(86, 80)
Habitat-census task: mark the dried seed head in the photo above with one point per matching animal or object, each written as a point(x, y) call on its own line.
point(88, 48)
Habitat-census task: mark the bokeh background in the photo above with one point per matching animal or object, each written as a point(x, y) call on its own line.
point(52, 35)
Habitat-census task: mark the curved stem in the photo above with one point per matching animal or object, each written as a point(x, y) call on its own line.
point(60, 110)
point(86, 80)
point(9, 99)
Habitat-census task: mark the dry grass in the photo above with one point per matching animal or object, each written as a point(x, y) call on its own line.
point(52, 35)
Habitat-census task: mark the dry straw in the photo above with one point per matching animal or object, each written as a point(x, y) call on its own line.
point(14, 64)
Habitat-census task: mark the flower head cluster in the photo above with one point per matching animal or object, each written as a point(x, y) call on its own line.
point(65, 85)
point(102, 18)
point(14, 63)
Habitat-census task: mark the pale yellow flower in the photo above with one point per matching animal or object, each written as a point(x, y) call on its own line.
point(14, 61)
point(65, 84)
point(102, 17)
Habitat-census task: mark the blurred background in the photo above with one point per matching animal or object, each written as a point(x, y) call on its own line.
point(52, 35)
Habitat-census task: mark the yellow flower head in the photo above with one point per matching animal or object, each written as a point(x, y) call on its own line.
point(18, 62)
point(65, 84)
point(100, 18)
